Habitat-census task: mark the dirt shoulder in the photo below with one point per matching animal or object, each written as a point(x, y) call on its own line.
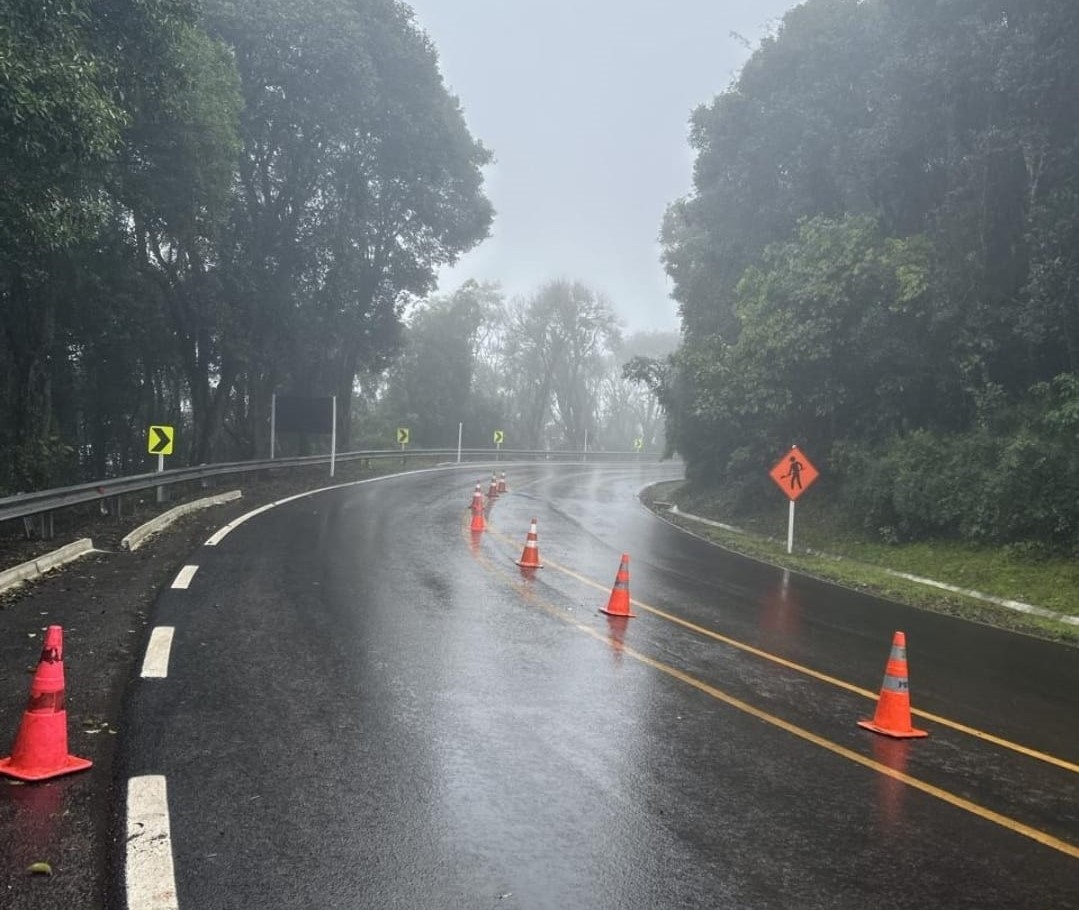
point(102, 601)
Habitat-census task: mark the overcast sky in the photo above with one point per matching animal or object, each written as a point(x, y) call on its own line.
point(585, 104)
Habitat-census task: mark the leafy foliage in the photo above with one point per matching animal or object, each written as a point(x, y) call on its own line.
point(201, 204)
point(877, 262)
point(557, 341)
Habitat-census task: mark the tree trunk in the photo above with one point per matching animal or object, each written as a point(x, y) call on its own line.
point(30, 329)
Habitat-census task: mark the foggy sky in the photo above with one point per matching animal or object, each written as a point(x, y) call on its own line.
point(585, 104)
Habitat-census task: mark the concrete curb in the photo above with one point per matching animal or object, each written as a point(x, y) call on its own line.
point(141, 534)
point(1016, 605)
point(35, 568)
point(705, 521)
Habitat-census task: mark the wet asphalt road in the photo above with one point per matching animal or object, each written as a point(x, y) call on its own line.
point(366, 707)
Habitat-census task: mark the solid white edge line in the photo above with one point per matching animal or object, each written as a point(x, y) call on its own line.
point(155, 665)
point(184, 576)
point(221, 533)
point(149, 873)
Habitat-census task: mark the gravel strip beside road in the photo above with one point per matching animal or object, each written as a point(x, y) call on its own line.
point(102, 602)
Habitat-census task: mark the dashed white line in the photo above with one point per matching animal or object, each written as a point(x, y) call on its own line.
point(184, 576)
point(151, 880)
point(155, 665)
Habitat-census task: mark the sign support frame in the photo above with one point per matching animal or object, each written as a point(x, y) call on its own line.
point(790, 530)
point(333, 438)
point(801, 474)
point(273, 423)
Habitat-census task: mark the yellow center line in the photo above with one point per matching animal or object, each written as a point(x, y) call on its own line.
point(946, 796)
point(816, 674)
point(952, 799)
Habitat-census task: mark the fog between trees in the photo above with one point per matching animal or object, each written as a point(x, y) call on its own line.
point(201, 204)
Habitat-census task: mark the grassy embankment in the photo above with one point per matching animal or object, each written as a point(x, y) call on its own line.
point(826, 548)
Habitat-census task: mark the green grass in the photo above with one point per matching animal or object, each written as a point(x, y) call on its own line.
point(826, 547)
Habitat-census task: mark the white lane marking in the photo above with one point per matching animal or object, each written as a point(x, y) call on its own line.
point(221, 533)
point(183, 579)
point(155, 665)
point(151, 880)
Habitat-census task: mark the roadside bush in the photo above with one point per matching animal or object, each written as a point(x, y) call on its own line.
point(1014, 481)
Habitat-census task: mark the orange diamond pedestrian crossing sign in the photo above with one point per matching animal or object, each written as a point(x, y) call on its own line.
point(794, 473)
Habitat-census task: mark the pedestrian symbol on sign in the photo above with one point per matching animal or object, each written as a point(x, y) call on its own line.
point(794, 473)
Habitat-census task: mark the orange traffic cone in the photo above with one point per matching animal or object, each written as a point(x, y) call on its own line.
point(530, 558)
point(892, 717)
point(478, 524)
point(618, 604)
point(492, 490)
point(502, 483)
point(40, 749)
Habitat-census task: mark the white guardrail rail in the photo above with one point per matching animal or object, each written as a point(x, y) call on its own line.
point(24, 505)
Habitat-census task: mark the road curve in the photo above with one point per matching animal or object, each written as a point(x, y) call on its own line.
point(363, 704)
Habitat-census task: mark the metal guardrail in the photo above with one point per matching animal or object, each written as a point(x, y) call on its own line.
point(23, 505)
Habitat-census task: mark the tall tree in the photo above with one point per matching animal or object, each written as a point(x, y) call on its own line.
point(74, 79)
point(630, 409)
point(876, 254)
point(557, 341)
point(176, 179)
point(432, 383)
point(358, 179)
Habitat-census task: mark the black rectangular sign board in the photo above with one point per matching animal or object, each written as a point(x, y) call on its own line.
point(300, 414)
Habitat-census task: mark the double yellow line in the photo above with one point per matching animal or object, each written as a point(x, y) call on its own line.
point(946, 796)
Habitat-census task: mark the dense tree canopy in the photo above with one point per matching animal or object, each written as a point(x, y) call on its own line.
point(878, 261)
point(202, 203)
